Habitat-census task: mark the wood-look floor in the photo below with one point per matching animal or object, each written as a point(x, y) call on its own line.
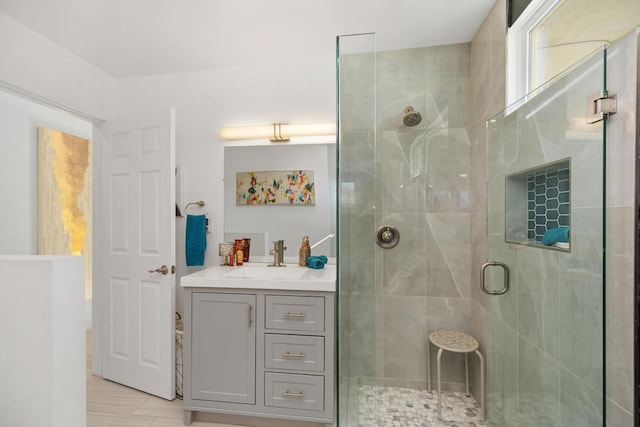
point(110, 404)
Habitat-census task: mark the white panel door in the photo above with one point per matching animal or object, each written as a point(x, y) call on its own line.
point(138, 237)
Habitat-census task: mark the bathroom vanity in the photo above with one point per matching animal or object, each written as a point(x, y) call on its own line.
point(260, 342)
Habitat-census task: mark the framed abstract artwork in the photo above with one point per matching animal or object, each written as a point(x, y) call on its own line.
point(290, 188)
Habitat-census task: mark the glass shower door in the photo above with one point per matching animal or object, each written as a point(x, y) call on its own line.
point(544, 279)
point(357, 303)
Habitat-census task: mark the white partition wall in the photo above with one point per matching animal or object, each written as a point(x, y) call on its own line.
point(43, 356)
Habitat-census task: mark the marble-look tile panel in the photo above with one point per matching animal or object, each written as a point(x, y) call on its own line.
point(357, 91)
point(357, 262)
point(586, 172)
point(363, 333)
point(539, 387)
point(620, 306)
point(400, 82)
point(581, 298)
point(617, 416)
point(498, 59)
point(502, 374)
point(504, 306)
point(423, 171)
point(405, 327)
point(401, 171)
point(404, 268)
point(480, 331)
point(581, 405)
point(447, 171)
point(537, 274)
point(448, 255)
point(622, 80)
point(357, 172)
point(478, 165)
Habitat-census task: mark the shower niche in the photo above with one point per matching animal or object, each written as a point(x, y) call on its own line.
point(538, 206)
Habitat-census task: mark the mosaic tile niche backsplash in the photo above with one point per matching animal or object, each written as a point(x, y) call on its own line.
point(548, 200)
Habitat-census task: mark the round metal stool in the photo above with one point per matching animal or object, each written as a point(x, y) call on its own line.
point(457, 342)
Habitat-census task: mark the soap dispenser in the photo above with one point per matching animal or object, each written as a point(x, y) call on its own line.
point(305, 251)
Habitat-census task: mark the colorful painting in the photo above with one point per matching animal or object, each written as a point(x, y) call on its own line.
point(275, 188)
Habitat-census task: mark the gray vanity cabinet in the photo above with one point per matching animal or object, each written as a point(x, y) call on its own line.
point(224, 347)
point(261, 353)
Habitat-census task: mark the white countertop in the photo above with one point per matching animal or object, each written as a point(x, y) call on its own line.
point(258, 276)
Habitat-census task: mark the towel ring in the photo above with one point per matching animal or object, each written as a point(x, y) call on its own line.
point(200, 203)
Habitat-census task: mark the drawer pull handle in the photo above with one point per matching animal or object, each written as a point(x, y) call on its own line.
point(287, 354)
point(288, 395)
point(294, 315)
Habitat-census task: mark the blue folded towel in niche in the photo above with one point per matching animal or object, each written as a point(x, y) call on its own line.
point(555, 235)
point(317, 262)
point(196, 239)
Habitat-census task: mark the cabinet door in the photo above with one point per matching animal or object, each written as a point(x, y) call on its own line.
point(224, 347)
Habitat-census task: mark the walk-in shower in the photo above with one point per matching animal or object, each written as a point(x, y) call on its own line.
point(544, 338)
point(408, 172)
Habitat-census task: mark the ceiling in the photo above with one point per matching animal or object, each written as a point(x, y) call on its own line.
point(127, 38)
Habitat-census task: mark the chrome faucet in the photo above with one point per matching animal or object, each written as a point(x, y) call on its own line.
point(278, 254)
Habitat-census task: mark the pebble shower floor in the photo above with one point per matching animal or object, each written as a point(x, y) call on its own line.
point(404, 407)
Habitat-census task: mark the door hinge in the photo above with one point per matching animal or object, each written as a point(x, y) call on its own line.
point(600, 106)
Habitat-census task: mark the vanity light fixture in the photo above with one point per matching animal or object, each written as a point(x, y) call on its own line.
point(277, 132)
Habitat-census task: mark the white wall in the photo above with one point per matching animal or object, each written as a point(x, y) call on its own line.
point(38, 66)
point(287, 92)
point(19, 121)
point(42, 364)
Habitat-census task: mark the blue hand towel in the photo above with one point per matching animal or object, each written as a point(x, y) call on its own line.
point(317, 262)
point(555, 235)
point(196, 239)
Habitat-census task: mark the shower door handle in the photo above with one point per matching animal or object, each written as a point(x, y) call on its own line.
point(506, 277)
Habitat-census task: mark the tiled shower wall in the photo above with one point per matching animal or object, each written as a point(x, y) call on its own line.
point(417, 180)
point(487, 98)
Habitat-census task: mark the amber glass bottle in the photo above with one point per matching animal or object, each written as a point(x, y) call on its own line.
point(305, 251)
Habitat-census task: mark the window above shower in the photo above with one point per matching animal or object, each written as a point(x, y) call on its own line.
point(551, 35)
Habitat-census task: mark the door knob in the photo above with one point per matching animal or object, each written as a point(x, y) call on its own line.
point(163, 269)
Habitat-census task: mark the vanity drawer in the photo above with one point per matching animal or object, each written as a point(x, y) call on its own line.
point(304, 353)
point(294, 391)
point(289, 313)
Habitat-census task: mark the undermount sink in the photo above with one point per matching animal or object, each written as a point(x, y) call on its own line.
point(257, 275)
point(265, 272)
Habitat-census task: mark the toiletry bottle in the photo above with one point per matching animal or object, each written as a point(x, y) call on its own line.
point(231, 259)
point(305, 251)
point(239, 252)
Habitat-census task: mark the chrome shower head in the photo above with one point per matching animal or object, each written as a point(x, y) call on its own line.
point(411, 117)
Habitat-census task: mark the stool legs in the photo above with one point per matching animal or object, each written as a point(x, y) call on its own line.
point(439, 384)
point(483, 413)
point(466, 372)
point(428, 365)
